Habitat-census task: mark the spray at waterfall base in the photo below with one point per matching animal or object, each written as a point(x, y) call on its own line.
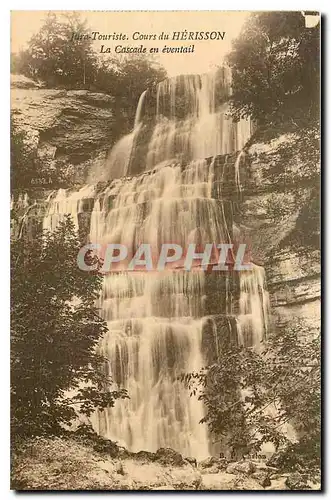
point(171, 256)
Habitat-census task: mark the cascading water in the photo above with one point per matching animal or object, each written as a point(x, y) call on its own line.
point(253, 307)
point(138, 116)
point(65, 202)
point(156, 319)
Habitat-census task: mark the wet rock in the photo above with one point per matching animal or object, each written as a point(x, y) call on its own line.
point(126, 484)
point(276, 460)
point(212, 465)
point(219, 481)
point(266, 468)
point(208, 462)
point(191, 461)
point(262, 478)
point(143, 455)
point(185, 479)
point(211, 470)
point(153, 475)
point(224, 481)
point(120, 469)
point(278, 484)
point(167, 456)
point(241, 467)
point(297, 481)
point(123, 453)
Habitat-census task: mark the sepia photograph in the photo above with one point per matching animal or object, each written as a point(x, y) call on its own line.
point(165, 251)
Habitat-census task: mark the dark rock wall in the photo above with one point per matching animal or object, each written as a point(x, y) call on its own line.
point(279, 215)
point(76, 127)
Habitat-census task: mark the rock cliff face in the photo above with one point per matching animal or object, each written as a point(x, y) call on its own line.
point(280, 216)
point(73, 126)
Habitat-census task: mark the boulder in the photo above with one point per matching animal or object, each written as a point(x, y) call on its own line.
point(266, 468)
point(106, 466)
point(153, 475)
point(208, 462)
point(262, 477)
point(219, 481)
point(120, 469)
point(278, 483)
point(212, 464)
point(168, 456)
point(211, 470)
point(191, 461)
point(296, 481)
point(184, 478)
point(224, 481)
point(241, 467)
point(145, 456)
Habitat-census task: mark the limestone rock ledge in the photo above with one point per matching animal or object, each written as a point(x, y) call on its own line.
point(279, 218)
point(74, 126)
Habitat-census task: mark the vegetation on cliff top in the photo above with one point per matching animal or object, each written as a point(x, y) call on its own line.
point(75, 65)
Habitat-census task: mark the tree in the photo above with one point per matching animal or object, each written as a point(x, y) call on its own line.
point(60, 61)
point(22, 157)
point(126, 77)
point(55, 329)
point(250, 397)
point(137, 73)
point(28, 169)
point(275, 68)
point(53, 56)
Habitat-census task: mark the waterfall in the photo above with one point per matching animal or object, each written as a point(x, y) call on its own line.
point(66, 202)
point(119, 158)
point(254, 307)
point(141, 101)
point(157, 320)
point(237, 170)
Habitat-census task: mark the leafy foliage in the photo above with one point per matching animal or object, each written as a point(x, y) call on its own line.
point(22, 156)
point(53, 57)
point(275, 68)
point(135, 74)
point(126, 77)
point(55, 329)
point(251, 396)
point(27, 166)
